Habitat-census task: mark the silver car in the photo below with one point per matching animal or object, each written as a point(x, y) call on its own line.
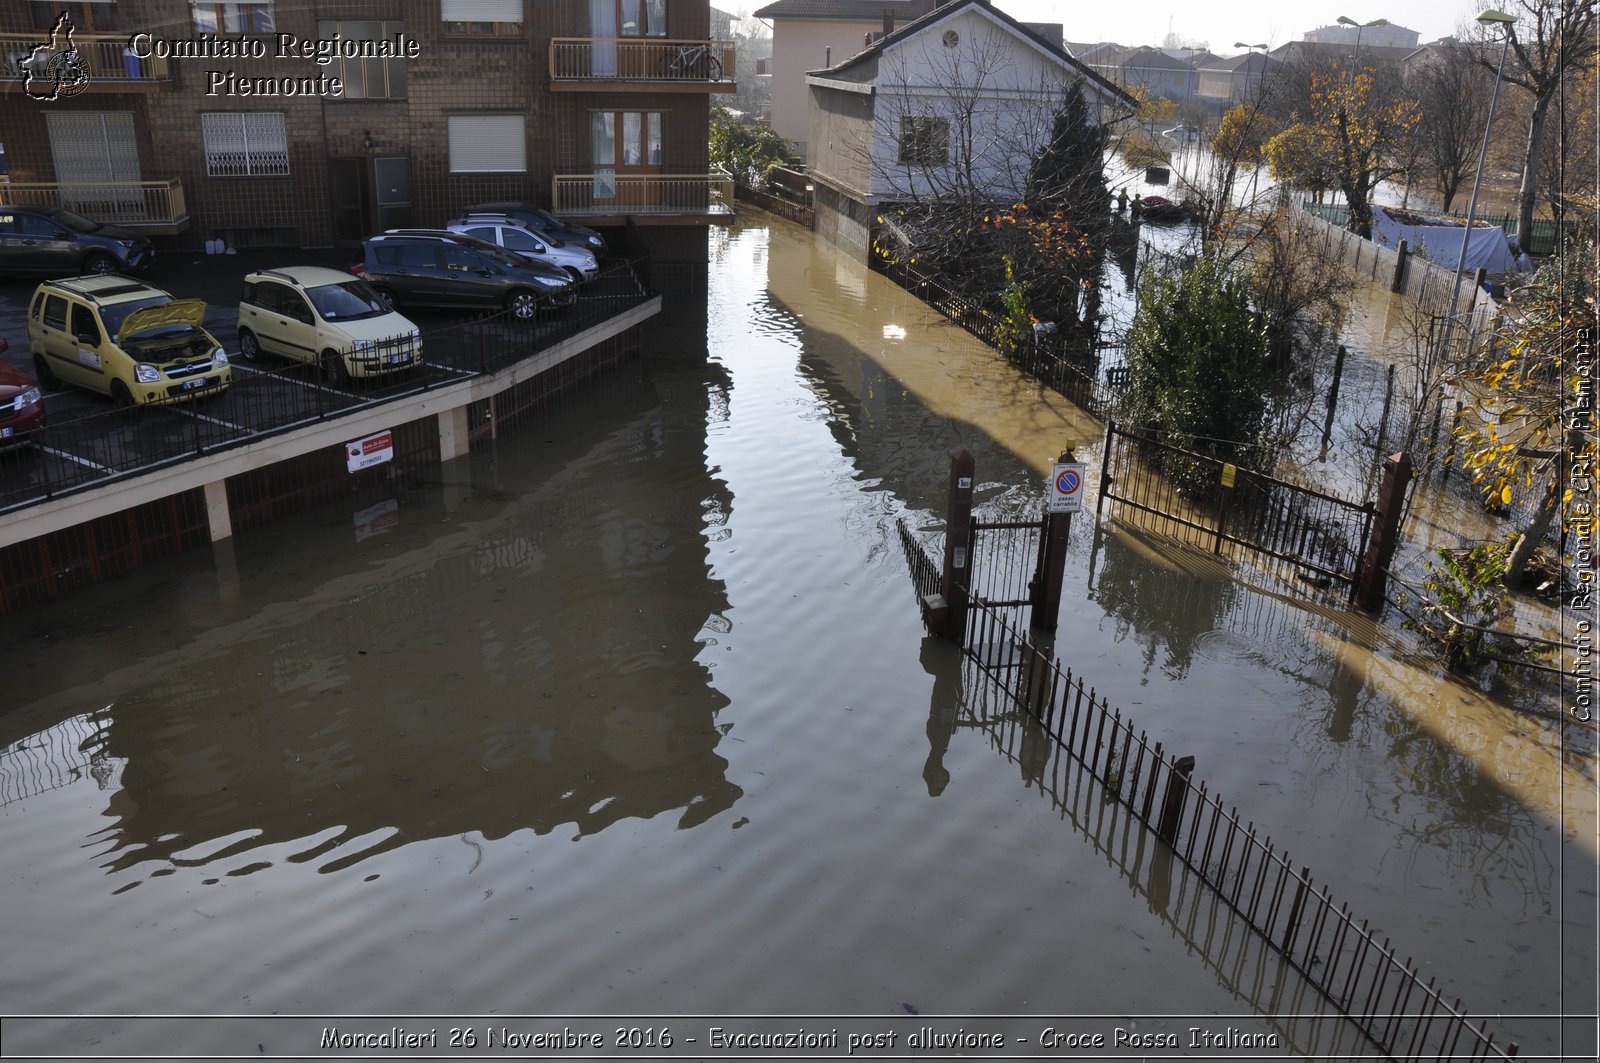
point(516, 237)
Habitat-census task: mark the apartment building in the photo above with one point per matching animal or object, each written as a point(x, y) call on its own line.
point(317, 122)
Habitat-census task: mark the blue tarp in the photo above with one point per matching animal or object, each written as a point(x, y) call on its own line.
point(1487, 248)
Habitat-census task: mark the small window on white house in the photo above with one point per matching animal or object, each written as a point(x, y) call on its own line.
point(924, 141)
point(488, 143)
point(245, 144)
point(487, 18)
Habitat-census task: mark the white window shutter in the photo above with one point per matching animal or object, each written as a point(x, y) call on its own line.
point(488, 143)
point(480, 10)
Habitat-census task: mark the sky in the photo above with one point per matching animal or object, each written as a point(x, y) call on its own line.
point(1222, 22)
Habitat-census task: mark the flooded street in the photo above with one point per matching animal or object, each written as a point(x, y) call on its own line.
point(639, 718)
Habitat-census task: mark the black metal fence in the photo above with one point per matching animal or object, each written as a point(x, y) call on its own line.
point(74, 454)
point(1208, 501)
point(1322, 940)
point(925, 571)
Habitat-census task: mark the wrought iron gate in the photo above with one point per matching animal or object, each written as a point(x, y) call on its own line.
point(1007, 557)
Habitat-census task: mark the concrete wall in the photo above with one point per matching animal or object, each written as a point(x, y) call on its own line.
point(842, 221)
point(842, 131)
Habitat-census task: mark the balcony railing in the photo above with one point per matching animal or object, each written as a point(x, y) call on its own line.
point(150, 205)
point(705, 66)
point(688, 195)
point(104, 59)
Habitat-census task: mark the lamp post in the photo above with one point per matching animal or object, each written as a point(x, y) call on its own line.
point(1487, 18)
point(1250, 56)
point(1345, 20)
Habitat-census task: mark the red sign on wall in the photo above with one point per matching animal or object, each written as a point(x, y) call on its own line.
point(373, 450)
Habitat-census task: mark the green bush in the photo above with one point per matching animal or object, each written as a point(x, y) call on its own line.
point(747, 151)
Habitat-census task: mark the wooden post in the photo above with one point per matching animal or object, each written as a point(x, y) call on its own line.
point(1105, 468)
point(1333, 401)
point(1398, 281)
point(957, 545)
point(1053, 571)
point(1172, 802)
point(1385, 532)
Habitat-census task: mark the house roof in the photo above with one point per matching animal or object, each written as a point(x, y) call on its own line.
point(1261, 62)
point(1315, 52)
point(1145, 59)
point(846, 10)
point(954, 7)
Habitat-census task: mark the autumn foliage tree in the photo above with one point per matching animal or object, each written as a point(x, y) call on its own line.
point(1535, 424)
point(1362, 133)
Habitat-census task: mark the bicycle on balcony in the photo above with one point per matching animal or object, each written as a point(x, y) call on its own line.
point(691, 62)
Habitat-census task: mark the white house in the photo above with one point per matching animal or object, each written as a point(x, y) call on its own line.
point(957, 103)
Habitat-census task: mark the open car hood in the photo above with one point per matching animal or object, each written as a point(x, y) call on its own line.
point(189, 312)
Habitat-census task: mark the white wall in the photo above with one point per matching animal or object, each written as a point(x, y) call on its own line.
point(799, 46)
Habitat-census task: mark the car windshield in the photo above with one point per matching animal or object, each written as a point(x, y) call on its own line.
point(74, 221)
point(347, 301)
point(115, 314)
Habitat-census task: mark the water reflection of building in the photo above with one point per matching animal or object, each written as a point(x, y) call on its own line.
point(533, 667)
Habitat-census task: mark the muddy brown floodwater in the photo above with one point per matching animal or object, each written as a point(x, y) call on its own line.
point(638, 718)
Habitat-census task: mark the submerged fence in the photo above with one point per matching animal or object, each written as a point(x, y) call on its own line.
point(1363, 978)
point(1215, 503)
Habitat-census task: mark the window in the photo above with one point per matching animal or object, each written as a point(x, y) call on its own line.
point(488, 143)
point(517, 240)
point(461, 260)
point(245, 144)
point(641, 18)
point(924, 141)
point(366, 79)
point(485, 18)
point(242, 16)
point(483, 232)
point(55, 312)
point(84, 326)
point(408, 255)
point(35, 226)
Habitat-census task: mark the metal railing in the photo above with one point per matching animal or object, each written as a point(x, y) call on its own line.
point(270, 399)
point(1216, 503)
point(625, 193)
point(112, 202)
point(642, 59)
point(104, 57)
point(1365, 980)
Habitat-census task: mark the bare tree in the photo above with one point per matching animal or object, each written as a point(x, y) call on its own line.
point(1550, 39)
point(1454, 91)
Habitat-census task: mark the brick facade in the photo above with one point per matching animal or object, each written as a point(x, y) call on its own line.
point(451, 75)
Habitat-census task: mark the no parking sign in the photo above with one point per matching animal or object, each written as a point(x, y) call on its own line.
point(1066, 489)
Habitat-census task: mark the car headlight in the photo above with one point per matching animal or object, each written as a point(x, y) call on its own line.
point(145, 373)
point(219, 357)
point(595, 241)
point(27, 398)
point(362, 346)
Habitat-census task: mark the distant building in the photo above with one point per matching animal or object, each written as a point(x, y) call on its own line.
point(1390, 36)
point(1225, 82)
point(1150, 69)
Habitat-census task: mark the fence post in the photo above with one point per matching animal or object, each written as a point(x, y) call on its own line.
point(1105, 468)
point(1385, 532)
point(1397, 282)
point(1046, 591)
point(1172, 802)
point(957, 535)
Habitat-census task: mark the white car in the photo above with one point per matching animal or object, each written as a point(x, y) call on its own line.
point(522, 239)
point(326, 318)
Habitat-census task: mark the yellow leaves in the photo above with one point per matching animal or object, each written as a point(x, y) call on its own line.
point(1505, 495)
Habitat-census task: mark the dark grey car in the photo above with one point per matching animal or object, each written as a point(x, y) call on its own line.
point(542, 221)
point(430, 267)
point(47, 242)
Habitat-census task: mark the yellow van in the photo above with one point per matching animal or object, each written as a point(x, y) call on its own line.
point(125, 339)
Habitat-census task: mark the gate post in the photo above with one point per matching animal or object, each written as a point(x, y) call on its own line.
point(1053, 565)
point(957, 545)
point(1374, 573)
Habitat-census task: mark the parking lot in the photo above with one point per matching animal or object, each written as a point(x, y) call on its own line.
point(88, 439)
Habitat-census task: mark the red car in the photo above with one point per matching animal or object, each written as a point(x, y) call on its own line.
point(21, 406)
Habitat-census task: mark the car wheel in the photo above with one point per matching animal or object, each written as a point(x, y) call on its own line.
point(46, 375)
point(249, 349)
point(523, 305)
point(100, 264)
point(334, 371)
point(121, 395)
point(385, 296)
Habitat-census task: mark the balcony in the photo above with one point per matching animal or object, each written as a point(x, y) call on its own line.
point(155, 208)
point(622, 64)
point(104, 60)
point(650, 199)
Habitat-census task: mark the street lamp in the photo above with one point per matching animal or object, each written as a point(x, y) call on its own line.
point(1250, 51)
point(1345, 20)
point(1488, 19)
